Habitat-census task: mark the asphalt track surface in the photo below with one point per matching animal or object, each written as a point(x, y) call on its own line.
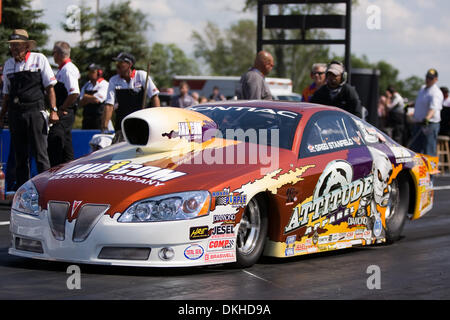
point(416, 267)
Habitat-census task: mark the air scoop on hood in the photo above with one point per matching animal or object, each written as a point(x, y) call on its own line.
point(167, 128)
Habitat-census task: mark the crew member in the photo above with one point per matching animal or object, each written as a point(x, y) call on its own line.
point(337, 92)
point(252, 83)
point(427, 115)
point(26, 75)
point(126, 91)
point(60, 149)
point(92, 96)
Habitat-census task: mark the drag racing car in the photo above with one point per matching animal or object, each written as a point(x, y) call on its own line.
point(224, 183)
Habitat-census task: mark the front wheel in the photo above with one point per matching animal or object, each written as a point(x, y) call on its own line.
point(252, 233)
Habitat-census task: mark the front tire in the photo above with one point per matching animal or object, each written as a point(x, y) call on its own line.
point(252, 233)
point(397, 209)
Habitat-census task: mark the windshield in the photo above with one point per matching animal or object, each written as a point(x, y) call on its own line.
point(277, 125)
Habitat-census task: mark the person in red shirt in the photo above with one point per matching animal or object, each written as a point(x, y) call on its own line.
point(318, 76)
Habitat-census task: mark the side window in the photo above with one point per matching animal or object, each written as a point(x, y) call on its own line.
point(329, 131)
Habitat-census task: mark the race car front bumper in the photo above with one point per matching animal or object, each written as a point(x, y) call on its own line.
point(153, 244)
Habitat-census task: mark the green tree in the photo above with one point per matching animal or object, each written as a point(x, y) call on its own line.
point(410, 87)
point(18, 14)
point(169, 60)
point(229, 52)
point(120, 28)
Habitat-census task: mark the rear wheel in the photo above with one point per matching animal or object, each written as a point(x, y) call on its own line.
point(251, 233)
point(397, 209)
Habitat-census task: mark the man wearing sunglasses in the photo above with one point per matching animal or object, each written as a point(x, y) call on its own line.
point(427, 115)
point(337, 92)
point(318, 76)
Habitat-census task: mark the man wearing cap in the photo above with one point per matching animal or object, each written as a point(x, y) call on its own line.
point(252, 83)
point(337, 92)
point(92, 96)
point(126, 92)
point(427, 115)
point(27, 76)
point(67, 91)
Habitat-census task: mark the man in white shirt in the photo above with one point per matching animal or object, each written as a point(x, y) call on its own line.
point(67, 90)
point(395, 105)
point(25, 76)
point(427, 115)
point(126, 92)
point(92, 96)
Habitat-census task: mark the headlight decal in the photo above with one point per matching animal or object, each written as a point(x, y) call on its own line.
point(171, 207)
point(26, 199)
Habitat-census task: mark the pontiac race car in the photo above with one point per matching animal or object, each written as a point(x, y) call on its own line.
point(224, 183)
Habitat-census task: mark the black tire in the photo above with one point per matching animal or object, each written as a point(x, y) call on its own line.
point(397, 209)
point(252, 233)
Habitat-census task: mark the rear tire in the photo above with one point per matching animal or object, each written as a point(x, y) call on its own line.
point(397, 209)
point(252, 233)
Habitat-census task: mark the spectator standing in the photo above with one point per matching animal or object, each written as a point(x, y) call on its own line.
point(216, 95)
point(184, 99)
point(26, 74)
point(196, 97)
point(427, 115)
point(92, 96)
point(252, 83)
point(67, 90)
point(337, 92)
point(446, 102)
point(445, 114)
point(126, 91)
point(318, 76)
point(395, 106)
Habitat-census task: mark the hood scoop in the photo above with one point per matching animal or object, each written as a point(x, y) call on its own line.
point(166, 128)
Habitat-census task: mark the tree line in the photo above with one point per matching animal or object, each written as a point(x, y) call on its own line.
point(228, 52)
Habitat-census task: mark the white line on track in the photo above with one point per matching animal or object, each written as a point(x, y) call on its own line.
point(441, 188)
point(4, 223)
point(253, 275)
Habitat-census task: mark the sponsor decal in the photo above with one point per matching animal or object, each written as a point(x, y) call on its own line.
point(377, 227)
point(218, 245)
point(291, 196)
point(367, 235)
point(350, 235)
point(222, 231)
point(359, 234)
point(196, 233)
point(194, 252)
point(119, 171)
point(334, 190)
point(220, 256)
point(401, 154)
point(354, 222)
point(225, 198)
point(224, 218)
point(283, 113)
point(343, 245)
point(291, 240)
point(289, 252)
point(331, 145)
point(190, 130)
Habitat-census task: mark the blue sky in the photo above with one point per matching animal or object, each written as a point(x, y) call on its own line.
point(412, 35)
